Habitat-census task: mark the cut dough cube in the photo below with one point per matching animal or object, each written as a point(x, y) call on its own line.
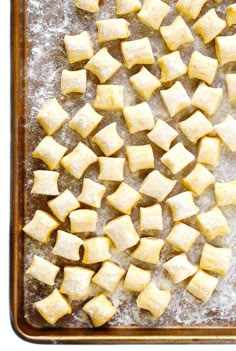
point(136, 278)
point(103, 65)
point(207, 99)
point(111, 168)
point(231, 86)
point(153, 13)
point(53, 307)
point(138, 117)
point(182, 206)
point(215, 259)
point(96, 250)
point(199, 179)
point(85, 121)
point(79, 160)
point(137, 52)
point(108, 139)
point(109, 276)
point(154, 300)
point(225, 193)
point(182, 237)
point(87, 5)
point(41, 226)
point(145, 83)
point(73, 81)
point(63, 205)
point(76, 282)
point(209, 26)
point(78, 47)
point(83, 221)
point(175, 98)
point(213, 223)
point(202, 67)
point(179, 268)
point(50, 152)
point(162, 135)
point(149, 250)
point(157, 186)
point(231, 15)
point(202, 285)
point(226, 49)
point(176, 34)
point(51, 116)
point(124, 7)
point(45, 183)
point(124, 198)
point(209, 151)
point(43, 270)
point(227, 132)
point(67, 246)
point(92, 193)
point(112, 29)
point(190, 8)
point(140, 157)
point(196, 126)
point(122, 232)
point(109, 97)
point(177, 158)
point(171, 66)
point(151, 218)
point(100, 310)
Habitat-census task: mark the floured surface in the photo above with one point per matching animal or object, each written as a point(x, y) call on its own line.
point(48, 22)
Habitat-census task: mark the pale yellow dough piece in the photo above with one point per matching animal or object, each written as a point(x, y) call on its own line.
point(227, 132)
point(202, 285)
point(43, 270)
point(149, 250)
point(182, 237)
point(109, 276)
point(231, 15)
point(225, 193)
point(226, 49)
point(199, 179)
point(108, 139)
point(179, 268)
point(87, 5)
point(67, 246)
point(112, 29)
point(190, 8)
point(140, 157)
point(45, 183)
point(100, 310)
point(162, 134)
point(182, 206)
point(73, 81)
point(136, 278)
point(207, 99)
point(209, 151)
point(96, 250)
point(175, 98)
point(153, 13)
point(231, 86)
point(92, 193)
point(137, 52)
point(177, 158)
point(109, 97)
point(83, 221)
point(124, 7)
point(145, 83)
point(213, 223)
point(172, 66)
point(151, 218)
point(209, 26)
point(111, 168)
point(215, 259)
point(62, 205)
point(138, 117)
point(124, 198)
point(202, 67)
point(78, 47)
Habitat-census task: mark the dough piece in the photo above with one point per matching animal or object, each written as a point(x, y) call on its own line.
point(87, 5)
point(103, 65)
point(124, 7)
point(51, 116)
point(50, 152)
point(53, 307)
point(176, 34)
point(112, 29)
point(85, 121)
point(215, 259)
point(209, 26)
point(157, 186)
point(171, 66)
point(225, 193)
point(111, 168)
point(151, 218)
point(177, 158)
point(202, 285)
point(83, 221)
point(138, 117)
point(140, 157)
point(108, 139)
point(76, 282)
point(162, 135)
point(182, 237)
point(109, 97)
point(45, 183)
point(109, 276)
point(196, 126)
point(79, 160)
point(145, 83)
point(136, 278)
point(137, 52)
point(96, 250)
point(153, 13)
point(43, 270)
point(199, 179)
point(63, 205)
point(100, 310)
point(231, 15)
point(227, 132)
point(209, 151)
point(73, 81)
point(202, 67)
point(78, 47)
point(149, 250)
point(92, 193)
point(124, 198)
point(182, 206)
point(207, 99)
point(67, 246)
point(226, 49)
point(231, 86)
point(213, 223)
point(190, 8)
point(179, 268)
point(41, 226)
point(154, 300)
point(122, 232)
point(175, 98)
